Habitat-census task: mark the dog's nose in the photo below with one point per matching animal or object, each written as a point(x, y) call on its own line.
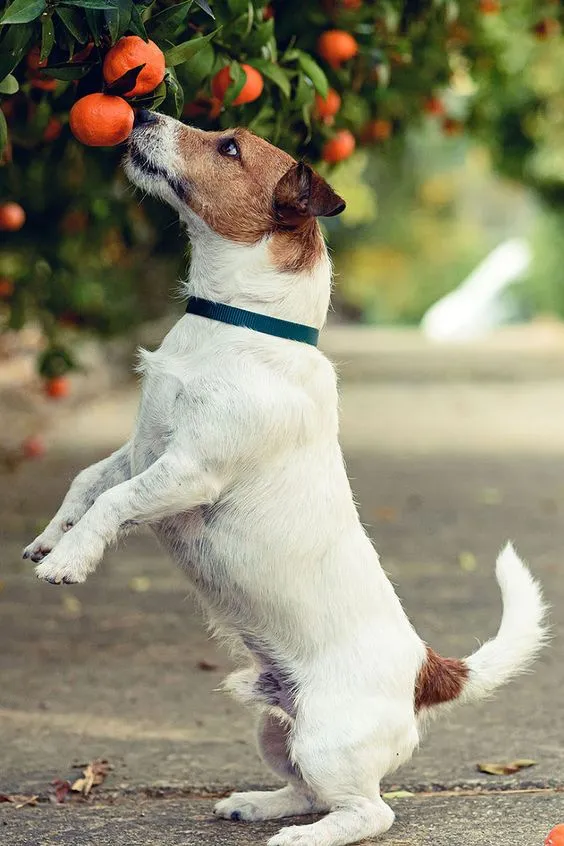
point(143, 116)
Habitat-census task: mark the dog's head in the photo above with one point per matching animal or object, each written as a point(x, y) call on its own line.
point(236, 184)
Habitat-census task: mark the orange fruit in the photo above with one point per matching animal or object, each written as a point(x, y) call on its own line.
point(251, 90)
point(556, 836)
point(338, 148)
point(268, 12)
point(101, 120)
point(377, 130)
point(337, 46)
point(33, 61)
point(351, 4)
point(328, 107)
point(57, 387)
point(547, 28)
point(83, 54)
point(12, 217)
point(433, 106)
point(130, 52)
point(6, 287)
point(44, 83)
point(53, 129)
point(33, 447)
point(452, 127)
point(490, 7)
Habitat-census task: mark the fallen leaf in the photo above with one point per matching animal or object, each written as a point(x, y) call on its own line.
point(62, 790)
point(386, 514)
point(490, 496)
point(207, 666)
point(467, 561)
point(72, 606)
point(20, 800)
point(93, 774)
point(398, 794)
point(496, 768)
point(140, 584)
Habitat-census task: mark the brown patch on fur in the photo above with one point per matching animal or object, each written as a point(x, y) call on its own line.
point(233, 195)
point(439, 680)
point(263, 192)
point(297, 249)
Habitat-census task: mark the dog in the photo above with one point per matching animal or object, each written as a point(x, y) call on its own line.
point(235, 464)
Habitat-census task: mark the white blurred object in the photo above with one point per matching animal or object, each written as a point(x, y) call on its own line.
point(480, 303)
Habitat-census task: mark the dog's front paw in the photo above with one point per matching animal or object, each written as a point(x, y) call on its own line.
point(43, 543)
point(69, 563)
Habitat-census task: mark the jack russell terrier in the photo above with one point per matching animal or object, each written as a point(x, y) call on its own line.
point(235, 464)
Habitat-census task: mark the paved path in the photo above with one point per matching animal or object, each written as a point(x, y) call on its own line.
point(445, 471)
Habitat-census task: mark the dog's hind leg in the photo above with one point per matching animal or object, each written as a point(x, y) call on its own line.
point(293, 800)
point(342, 751)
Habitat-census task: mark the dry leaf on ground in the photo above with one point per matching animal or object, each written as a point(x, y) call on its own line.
point(62, 790)
point(497, 768)
point(18, 799)
point(398, 794)
point(467, 561)
point(93, 774)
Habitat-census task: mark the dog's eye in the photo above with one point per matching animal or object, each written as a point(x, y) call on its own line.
point(228, 147)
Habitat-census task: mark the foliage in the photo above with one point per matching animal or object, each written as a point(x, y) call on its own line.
point(82, 258)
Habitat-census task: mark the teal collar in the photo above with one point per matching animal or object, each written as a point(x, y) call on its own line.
point(252, 320)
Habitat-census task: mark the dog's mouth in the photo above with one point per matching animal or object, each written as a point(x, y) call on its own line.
point(140, 163)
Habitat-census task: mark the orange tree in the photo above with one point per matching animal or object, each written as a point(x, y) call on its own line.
point(317, 77)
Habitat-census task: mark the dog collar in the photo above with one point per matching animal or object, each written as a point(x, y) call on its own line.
point(252, 320)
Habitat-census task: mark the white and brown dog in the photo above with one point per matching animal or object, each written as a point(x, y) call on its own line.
point(235, 463)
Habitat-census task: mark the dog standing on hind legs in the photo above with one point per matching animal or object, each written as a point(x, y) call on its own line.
point(235, 464)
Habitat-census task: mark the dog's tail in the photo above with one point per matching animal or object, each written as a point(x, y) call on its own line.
point(521, 635)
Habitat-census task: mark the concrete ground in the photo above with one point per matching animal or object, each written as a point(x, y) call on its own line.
point(449, 454)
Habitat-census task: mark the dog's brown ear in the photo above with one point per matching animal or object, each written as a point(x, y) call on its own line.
point(302, 193)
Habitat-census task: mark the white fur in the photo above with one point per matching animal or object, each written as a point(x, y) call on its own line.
point(235, 463)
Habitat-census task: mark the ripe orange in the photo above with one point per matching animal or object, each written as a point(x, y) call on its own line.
point(251, 90)
point(490, 7)
point(53, 129)
point(452, 127)
point(547, 28)
point(33, 447)
point(328, 107)
point(101, 120)
point(433, 106)
point(337, 46)
point(338, 148)
point(33, 61)
point(130, 52)
point(12, 217)
point(556, 836)
point(6, 287)
point(377, 130)
point(57, 387)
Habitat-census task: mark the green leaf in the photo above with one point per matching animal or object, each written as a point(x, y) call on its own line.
point(91, 4)
point(272, 72)
point(14, 44)
point(237, 7)
point(23, 11)
point(47, 36)
point(174, 100)
point(197, 69)
point(260, 36)
point(68, 70)
point(136, 25)
point(74, 22)
point(9, 85)
point(152, 100)
point(182, 52)
point(3, 131)
point(165, 24)
point(317, 76)
point(95, 23)
point(113, 23)
point(205, 6)
point(304, 93)
point(126, 82)
point(237, 80)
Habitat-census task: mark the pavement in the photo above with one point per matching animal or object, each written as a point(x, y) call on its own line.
point(446, 462)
